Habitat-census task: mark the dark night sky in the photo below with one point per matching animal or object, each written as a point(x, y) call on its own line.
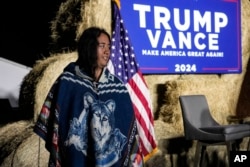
point(25, 29)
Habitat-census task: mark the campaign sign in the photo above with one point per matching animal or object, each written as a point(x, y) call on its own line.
point(184, 36)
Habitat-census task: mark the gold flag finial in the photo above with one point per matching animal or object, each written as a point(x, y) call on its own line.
point(118, 3)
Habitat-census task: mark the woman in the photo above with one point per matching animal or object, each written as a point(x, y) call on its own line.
point(87, 118)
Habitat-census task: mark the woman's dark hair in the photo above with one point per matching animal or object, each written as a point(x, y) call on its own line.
point(87, 49)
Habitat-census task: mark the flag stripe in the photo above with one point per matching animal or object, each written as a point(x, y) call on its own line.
point(138, 99)
point(143, 115)
point(141, 90)
point(123, 64)
point(145, 144)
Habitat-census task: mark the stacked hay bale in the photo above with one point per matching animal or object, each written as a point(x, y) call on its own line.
point(222, 105)
point(29, 153)
point(19, 146)
point(38, 82)
point(25, 148)
point(72, 18)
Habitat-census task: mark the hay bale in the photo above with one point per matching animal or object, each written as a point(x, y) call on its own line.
point(90, 18)
point(28, 87)
point(38, 82)
point(19, 146)
point(221, 104)
point(64, 26)
point(169, 125)
point(12, 135)
point(31, 152)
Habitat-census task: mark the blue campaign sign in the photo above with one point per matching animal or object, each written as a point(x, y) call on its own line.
point(185, 36)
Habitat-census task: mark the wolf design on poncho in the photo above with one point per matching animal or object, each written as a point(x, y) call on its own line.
point(109, 141)
point(87, 124)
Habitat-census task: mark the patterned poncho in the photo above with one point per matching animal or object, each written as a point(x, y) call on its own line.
point(87, 124)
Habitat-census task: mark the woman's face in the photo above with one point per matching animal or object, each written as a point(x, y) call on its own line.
point(103, 50)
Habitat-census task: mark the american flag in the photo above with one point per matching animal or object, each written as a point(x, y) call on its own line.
point(123, 64)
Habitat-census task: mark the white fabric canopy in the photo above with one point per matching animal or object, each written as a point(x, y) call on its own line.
point(11, 77)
